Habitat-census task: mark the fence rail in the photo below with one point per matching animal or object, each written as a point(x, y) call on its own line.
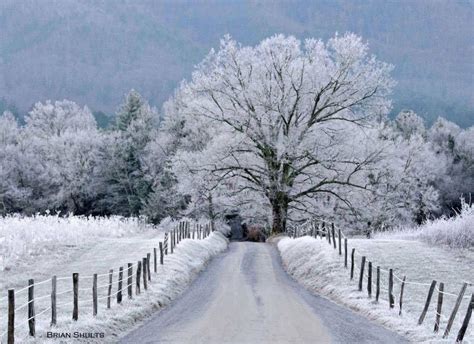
point(335, 238)
point(140, 271)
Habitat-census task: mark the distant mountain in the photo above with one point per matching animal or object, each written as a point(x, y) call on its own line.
point(93, 51)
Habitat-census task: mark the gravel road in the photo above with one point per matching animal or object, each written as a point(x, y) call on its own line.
point(245, 296)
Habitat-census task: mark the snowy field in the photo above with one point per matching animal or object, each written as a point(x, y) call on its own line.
point(319, 267)
point(455, 232)
point(44, 246)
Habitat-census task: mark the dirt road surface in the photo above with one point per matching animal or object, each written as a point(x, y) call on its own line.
point(245, 296)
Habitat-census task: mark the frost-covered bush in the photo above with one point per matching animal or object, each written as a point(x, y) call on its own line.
point(22, 236)
point(456, 232)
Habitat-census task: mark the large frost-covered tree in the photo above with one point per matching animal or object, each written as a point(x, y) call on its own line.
point(63, 143)
point(50, 162)
point(279, 117)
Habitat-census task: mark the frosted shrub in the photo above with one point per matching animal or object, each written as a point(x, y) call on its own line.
point(22, 236)
point(456, 232)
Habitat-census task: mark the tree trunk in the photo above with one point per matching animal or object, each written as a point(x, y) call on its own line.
point(279, 212)
point(211, 212)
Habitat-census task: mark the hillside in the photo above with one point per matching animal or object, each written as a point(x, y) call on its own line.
point(93, 52)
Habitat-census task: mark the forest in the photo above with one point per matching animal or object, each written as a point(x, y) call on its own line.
point(278, 132)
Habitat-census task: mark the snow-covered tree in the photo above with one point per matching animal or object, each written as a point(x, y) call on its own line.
point(409, 123)
point(60, 145)
point(10, 194)
point(454, 144)
point(279, 117)
point(126, 186)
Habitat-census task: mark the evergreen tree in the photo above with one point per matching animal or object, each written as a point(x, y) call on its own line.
point(127, 187)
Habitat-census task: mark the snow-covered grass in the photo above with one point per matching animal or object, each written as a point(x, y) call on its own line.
point(83, 245)
point(317, 266)
point(23, 238)
point(456, 232)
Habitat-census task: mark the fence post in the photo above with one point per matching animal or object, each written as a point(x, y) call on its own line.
point(345, 253)
point(339, 239)
point(352, 263)
point(53, 300)
point(427, 303)
point(369, 280)
point(148, 259)
point(109, 292)
point(391, 299)
point(155, 256)
point(455, 310)
point(166, 242)
point(139, 272)
point(401, 294)
point(11, 316)
point(145, 285)
point(31, 307)
point(75, 288)
point(465, 323)
point(161, 252)
point(328, 233)
point(361, 276)
point(130, 280)
point(94, 295)
point(120, 283)
point(377, 285)
point(172, 239)
point(333, 235)
point(439, 306)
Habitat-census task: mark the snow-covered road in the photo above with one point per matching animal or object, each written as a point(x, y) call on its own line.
point(245, 296)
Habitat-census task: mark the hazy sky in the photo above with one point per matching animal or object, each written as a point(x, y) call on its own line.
point(93, 52)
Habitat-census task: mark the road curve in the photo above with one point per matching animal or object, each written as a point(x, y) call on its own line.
point(245, 296)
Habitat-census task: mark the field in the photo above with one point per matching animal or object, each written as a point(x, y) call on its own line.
point(319, 267)
point(43, 246)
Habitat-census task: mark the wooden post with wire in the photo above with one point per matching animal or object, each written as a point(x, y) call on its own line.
point(139, 272)
point(339, 239)
point(369, 280)
point(333, 230)
point(377, 285)
point(352, 263)
point(427, 303)
point(439, 307)
point(161, 253)
point(31, 307)
point(391, 298)
point(155, 260)
point(145, 279)
point(120, 284)
point(130, 280)
point(148, 260)
point(402, 288)
point(109, 291)
point(94, 295)
point(361, 276)
point(75, 288)
point(455, 310)
point(11, 317)
point(345, 253)
point(466, 320)
point(53, 300)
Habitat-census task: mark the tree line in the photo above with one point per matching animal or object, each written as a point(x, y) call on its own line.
point(277, 132)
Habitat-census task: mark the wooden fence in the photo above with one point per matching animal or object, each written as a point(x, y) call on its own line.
point(336, 239)
point(136, 274)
